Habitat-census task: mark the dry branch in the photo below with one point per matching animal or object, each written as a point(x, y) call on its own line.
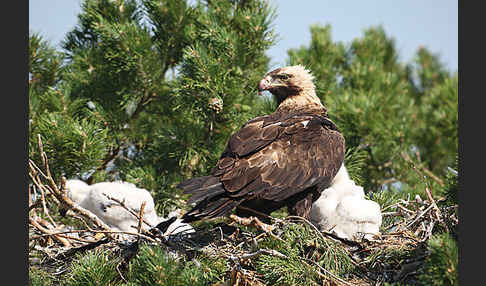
point(123, 205)
point(407, 158)
point(47, 231)
point(252, 221)
point(140, 219)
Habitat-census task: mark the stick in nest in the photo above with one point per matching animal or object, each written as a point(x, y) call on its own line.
point(122, 204)
point(69, 203)
point(95, 231)
point(255, 222)
point(49, 232)
point(252, 221)
point(427, 187)
point(140, 219)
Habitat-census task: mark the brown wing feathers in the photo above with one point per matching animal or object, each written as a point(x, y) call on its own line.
point(270, 158)
point(252, 138)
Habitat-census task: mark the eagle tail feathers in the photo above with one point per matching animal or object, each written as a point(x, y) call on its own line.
point(189, 184)
point(202, 188)
point(205, 193)
point(210, 209)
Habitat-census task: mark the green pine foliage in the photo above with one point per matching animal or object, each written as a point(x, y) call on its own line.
point(97, 267)
point(153, 266)
point(72, 136)
point(149, 91)
point(298, 242)
point(354, 160)
point(38, 277)
point(45, 64)
point(441, 265)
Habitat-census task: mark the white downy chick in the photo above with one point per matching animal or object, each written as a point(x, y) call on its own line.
point(343, 209)
point(92, 198)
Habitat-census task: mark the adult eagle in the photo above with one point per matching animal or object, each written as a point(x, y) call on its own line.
point(286, 158)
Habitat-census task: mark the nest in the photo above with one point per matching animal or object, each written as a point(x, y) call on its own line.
point(394, 256)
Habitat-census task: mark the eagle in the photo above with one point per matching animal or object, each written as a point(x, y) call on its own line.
point(284, 159)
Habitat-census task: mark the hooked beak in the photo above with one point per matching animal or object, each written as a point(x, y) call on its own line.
point(264, 84)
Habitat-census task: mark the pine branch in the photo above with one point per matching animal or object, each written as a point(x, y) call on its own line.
point(36, 224)
point(112, 155)
point(139, 216)
point(147, 95)
point(407, 158)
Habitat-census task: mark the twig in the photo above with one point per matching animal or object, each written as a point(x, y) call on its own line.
point(389, 206)
point(124, 232)
point(425, 170)
point(420, 215)
point(438, 213)
point(94, 231)
point(307, 222)
point(140, 219)
point(44, 207)
point(271, 252)
point(119, 272)
point(256, 238)
point(404, 209)
point(389, 213)
point(122, 204)
point(326, 271)
point(64, 241)
point(83, 248)
point(76, 238)
point(34, 237)
point(427, 187)
point(34, 205)
point(29, 192)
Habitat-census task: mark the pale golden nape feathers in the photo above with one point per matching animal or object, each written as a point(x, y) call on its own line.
point(293, 88)
point(307, 96)
point(302, 77)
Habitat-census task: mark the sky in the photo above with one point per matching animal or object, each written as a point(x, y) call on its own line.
point(412, 23)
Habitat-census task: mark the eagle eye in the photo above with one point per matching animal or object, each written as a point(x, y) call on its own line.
point(284, 76)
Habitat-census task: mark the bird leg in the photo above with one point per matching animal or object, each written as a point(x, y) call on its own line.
point(260, 209)
point(302, 204)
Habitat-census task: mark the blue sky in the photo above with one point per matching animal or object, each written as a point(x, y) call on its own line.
point(412, 23)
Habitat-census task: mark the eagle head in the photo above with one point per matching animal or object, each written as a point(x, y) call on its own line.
point(287, 81)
